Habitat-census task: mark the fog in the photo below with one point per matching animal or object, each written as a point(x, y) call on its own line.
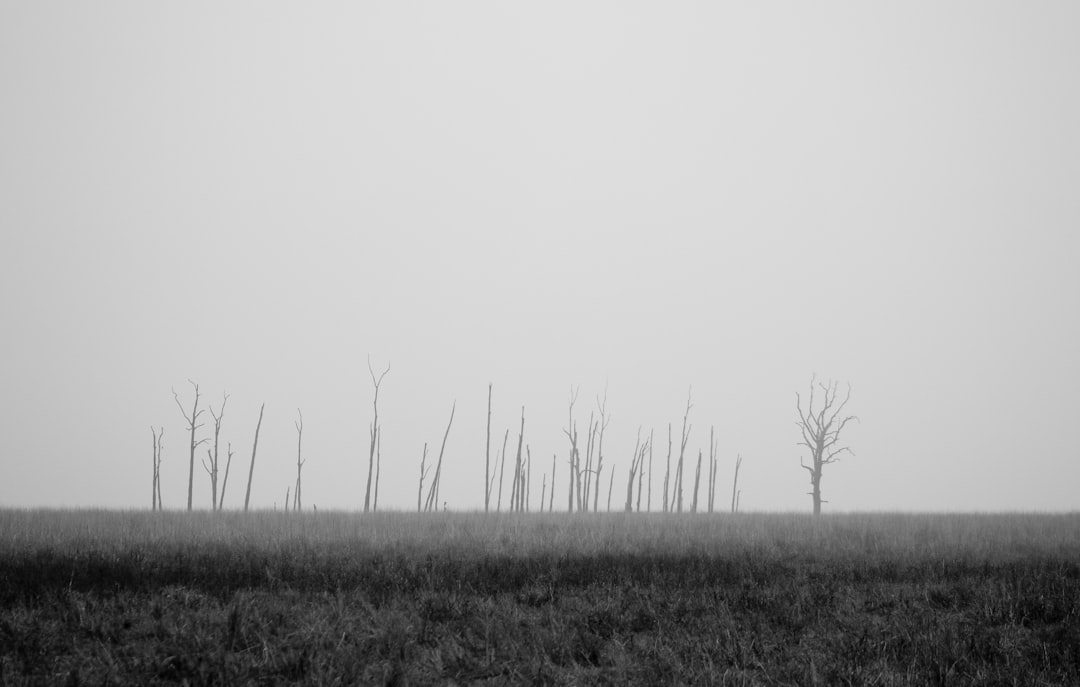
point(624, 198)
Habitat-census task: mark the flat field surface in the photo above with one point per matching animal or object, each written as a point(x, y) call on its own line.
point(95, 597)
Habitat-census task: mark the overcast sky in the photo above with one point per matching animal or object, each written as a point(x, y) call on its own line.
point(637, 197)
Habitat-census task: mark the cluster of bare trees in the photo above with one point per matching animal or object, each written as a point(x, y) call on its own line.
point(211, 464)
point(820, 423)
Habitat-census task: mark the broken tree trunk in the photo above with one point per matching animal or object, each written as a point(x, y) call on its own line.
point(251, 468)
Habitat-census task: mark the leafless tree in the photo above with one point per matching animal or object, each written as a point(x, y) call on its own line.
point(648, 501)
point(697, 483)
point(378, 469)
point(603, 423)
point(682, 450)
point(211, 467)
point(611, 482)
point(667, 472)
point(735, 486)
point(225, 478)
point(374, 432)
point(193, 424)
point(517, 495)
point(821, 428)
point(502, 468)
point(551, 499)
point(423, 476)
point(572, 435)
point(155, 494)
point(635, 465)
point(543, 492)
point(298, 502)
point(251, 468)
point(487, 457)
point(433, 490)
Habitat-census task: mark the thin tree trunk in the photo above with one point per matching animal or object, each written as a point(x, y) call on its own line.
point(298, 503)
point(378, 467)
point(225, 479)
point(192, 426)
point(735, 485)
point(423, 473)
point(251, 468)
point(551, 499)
point(433, 493)
point(502, 468)
point(611, 481)
point(667, 472)
point(697, 483)
point(374, 429)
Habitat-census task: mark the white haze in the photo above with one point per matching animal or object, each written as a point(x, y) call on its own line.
point(632, 196)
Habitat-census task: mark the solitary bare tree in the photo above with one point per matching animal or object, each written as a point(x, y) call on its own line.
point(251, 468)
point(155, 496)
point(735, 486)
point(374, 433)
point(423, 476)
point(193, 424)
point(298, 502)
point(603, 423)
point(821, 428)
point(225, 478)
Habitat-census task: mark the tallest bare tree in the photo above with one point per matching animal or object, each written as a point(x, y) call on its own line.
point(821, 429)
point(375, 429)
point(193, 424)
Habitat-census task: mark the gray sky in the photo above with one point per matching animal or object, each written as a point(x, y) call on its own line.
point(637, 196)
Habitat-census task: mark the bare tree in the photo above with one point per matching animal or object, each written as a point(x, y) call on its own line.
point(517, 500)
point(610, 483)
point(682, 449)
point(487, 457)
point(648, 501)
point(374, 432)
point(433, 490)
point(603, 423)
point(821, 430)
point(735, 486)
point(667, 472)
point(298, 502)
point(551, 499)
point(155, 493)
point(378, 469)
point(423, 475)
point(193, 425)
point(251, 468)
point(502, 468)
point(543, 492)
point(635, 465)
point(225, 478)
point(697, 483)
point(212, 467)
point(571, 433)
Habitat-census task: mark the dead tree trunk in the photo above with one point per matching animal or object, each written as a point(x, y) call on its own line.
point(502, 468)
point(611, 482)
point(487, 457)
point(551, 499)
point(433, 491)
point(543, 493)
point(648, 501)
point(589, 445)
point(571, 434)
point(682, 448)
point(667, 472)
point(251, 468)
point(298, 502)
point(374, 429)
point(821, 430)
point(193, 425)
point(628, 507)
point(697, 483)
point(517, 500)
point(735, 485)
point(155, 492)
point(604, 420)
point(378, 468)
point(212, 468)
point(423, 475)
point(225, 478)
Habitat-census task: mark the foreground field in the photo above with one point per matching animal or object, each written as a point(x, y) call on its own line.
point(139, 598)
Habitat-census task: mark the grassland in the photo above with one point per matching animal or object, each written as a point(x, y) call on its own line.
point(141, 598)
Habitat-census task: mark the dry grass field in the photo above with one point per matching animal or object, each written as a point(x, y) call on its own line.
point(102, 597)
